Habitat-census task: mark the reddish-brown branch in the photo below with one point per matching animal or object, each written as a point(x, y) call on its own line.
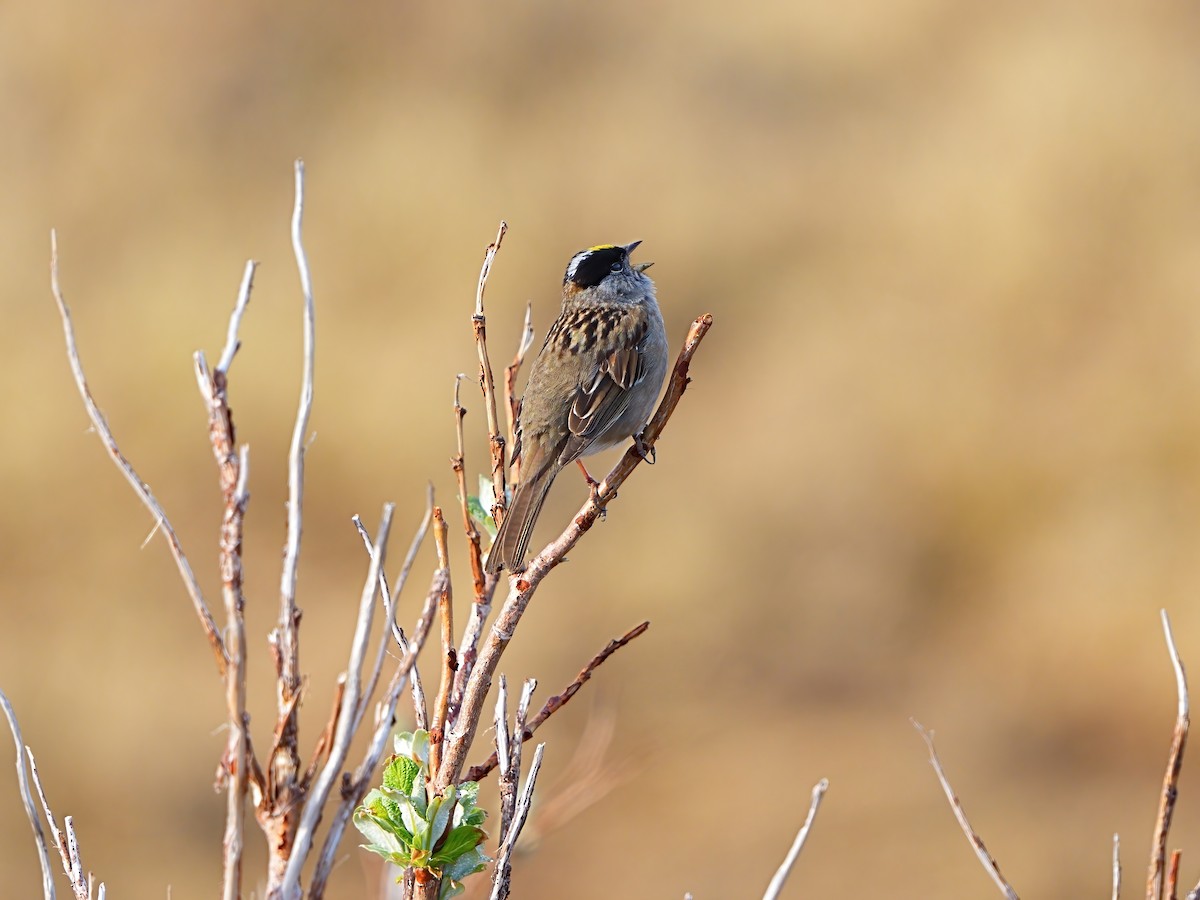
point(458, 464)
point(449, 662)
point(1173, 875)
point(558, 701)
point(523, 585)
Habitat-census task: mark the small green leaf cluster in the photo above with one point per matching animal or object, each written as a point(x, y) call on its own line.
point(407, 827)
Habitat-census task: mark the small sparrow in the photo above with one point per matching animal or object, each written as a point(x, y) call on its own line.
point(592, 386)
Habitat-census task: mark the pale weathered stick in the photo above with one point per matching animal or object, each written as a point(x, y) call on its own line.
point(487, 382)
point(1116, 867)
point(39, 836)
point(776, 885)
point(390, 601)
point(502, 876)
point(523, 585)
point(233, 469)
point(511, 403)
point(1166, 805)
point(65, 840)
point(139, 487)
point(508, 779)
point(985, 858)
point(437, 731)
point(314, 805)
point(558, 701)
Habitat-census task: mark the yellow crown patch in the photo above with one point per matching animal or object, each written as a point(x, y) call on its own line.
point(602, 247)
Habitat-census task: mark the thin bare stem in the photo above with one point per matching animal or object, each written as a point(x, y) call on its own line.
point(785, 868)
point(390, 600)
point(233, 467)
point(487, 382)
point(508, 783)
point(39, 836)
point(985, 858)
point(523, 585)
point(314, 805)
point(501, 880)
point(288, 617)
point(458, 464)
point(1116, 867)
point(449, 660)
point(511, 403)
point(558, 701)
point(65, 840)
point(1173, 874)
point(140, 488)
point(1170, 789)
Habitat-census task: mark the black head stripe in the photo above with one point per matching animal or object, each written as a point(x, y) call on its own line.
point(589, 267)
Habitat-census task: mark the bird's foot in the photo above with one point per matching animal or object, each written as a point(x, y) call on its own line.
point(644, 450)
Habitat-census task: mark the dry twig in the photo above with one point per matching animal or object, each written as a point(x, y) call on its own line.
point(1116, 867)
point(1173, 875)
point(502, 876)
point(449, 662)
point(985, 858)
point(123, 465)
point(458, 464)
point(66, 841)
point(523, 585)
point(1166, 805)
point(558, 701)
point(776, 885)
point(487, 382)
point(39, 836)
point(233, 469)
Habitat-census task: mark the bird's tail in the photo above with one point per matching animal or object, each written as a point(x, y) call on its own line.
point(512, 540)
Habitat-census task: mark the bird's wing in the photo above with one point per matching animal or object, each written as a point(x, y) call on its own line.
point(603, 396)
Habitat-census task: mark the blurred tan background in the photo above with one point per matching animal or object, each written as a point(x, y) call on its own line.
point(941, 458)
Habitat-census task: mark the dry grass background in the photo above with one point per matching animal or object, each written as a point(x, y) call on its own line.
point(942, 457)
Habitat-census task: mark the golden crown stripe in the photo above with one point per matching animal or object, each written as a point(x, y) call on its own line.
point(601, 247)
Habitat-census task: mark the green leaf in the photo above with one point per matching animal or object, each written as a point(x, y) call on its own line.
point(400, 773)
point(468, 864)
point(461, 840)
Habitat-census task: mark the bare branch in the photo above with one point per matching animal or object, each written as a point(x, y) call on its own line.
point(39, 836)
point(1116, 867)
point(449, 660)
point(1173, 874)
point(233, 469)
point(288, 616)
point(985, 858)
point(1166, 805)
point(314, 805)
point(503, 872)
point(523, 585)
point(511, 404)
point(558, 701)
point(139, 487)
point(458, 464)
point(390, 601)
point(487, 382)
point(65, 840)
point(232, 343)
point(776, 885)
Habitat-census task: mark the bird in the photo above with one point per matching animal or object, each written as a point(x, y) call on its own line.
point(593, 385)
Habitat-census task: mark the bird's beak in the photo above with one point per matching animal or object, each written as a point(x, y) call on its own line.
point(641, 267)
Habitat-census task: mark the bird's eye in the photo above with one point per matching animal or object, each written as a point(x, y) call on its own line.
point(616, 267)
